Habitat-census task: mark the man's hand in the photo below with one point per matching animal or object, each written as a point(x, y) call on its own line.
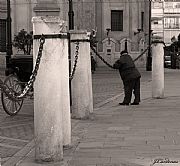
point(116, 65)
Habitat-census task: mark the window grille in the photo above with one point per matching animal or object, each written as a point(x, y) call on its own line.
point(116, 20)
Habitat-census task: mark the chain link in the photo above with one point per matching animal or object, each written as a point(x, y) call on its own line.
point(10, 93)
point(75, 62)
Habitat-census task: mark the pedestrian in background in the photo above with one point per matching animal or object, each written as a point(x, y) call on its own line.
point(93, 64)
point(130, 77)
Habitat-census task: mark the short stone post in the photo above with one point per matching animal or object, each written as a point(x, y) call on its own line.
point(51, 91)
point(82, 99)
point(157, 69)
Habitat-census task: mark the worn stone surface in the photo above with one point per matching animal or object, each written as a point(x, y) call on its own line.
point(127, 136)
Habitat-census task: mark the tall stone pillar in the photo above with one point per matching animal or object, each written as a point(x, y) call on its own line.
point(51, 90)
point(157, 69)
point(82, 99)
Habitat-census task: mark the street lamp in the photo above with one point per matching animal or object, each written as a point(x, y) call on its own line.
point(108, 30)
point(71, 15)
point(9, 38)
point(125, 45)
point(138, 31)
point(149, 57)
point(71, 27)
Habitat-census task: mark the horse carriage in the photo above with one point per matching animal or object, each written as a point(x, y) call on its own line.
point(18, 74)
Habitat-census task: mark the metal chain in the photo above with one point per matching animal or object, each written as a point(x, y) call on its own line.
point(100, 57)
point(141, 54)
point(34, 73)
point(11, 94)
point(75, 62)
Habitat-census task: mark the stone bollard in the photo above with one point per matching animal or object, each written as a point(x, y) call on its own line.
point(82, 99)
point(51, 91)
point(157, 69)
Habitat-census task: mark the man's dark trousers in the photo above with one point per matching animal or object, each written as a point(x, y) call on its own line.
point(129, 87)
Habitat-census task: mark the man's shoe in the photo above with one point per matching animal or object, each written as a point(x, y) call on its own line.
point(134, 103)
point(123, 103)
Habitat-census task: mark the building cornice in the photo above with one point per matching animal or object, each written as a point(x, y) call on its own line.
point(2, 7)
point(46, 8)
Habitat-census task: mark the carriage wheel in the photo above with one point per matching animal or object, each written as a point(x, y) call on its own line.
point(12, 107)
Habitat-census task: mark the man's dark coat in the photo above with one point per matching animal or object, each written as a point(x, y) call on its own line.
point(127, 68)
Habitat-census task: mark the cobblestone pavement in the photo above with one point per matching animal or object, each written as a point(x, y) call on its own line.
point(127, 135)
point(107, 83)
point(17, 131)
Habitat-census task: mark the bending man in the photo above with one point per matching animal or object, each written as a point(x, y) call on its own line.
point(130, 77)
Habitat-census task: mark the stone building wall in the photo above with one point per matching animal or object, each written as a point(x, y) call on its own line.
point(136, 42)
point(88, 15)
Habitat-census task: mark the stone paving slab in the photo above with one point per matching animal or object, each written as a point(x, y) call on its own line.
point(15, 132)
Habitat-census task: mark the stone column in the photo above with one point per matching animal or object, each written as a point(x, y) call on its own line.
point(51, 91)
point(82, 99)
point(157, 69)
